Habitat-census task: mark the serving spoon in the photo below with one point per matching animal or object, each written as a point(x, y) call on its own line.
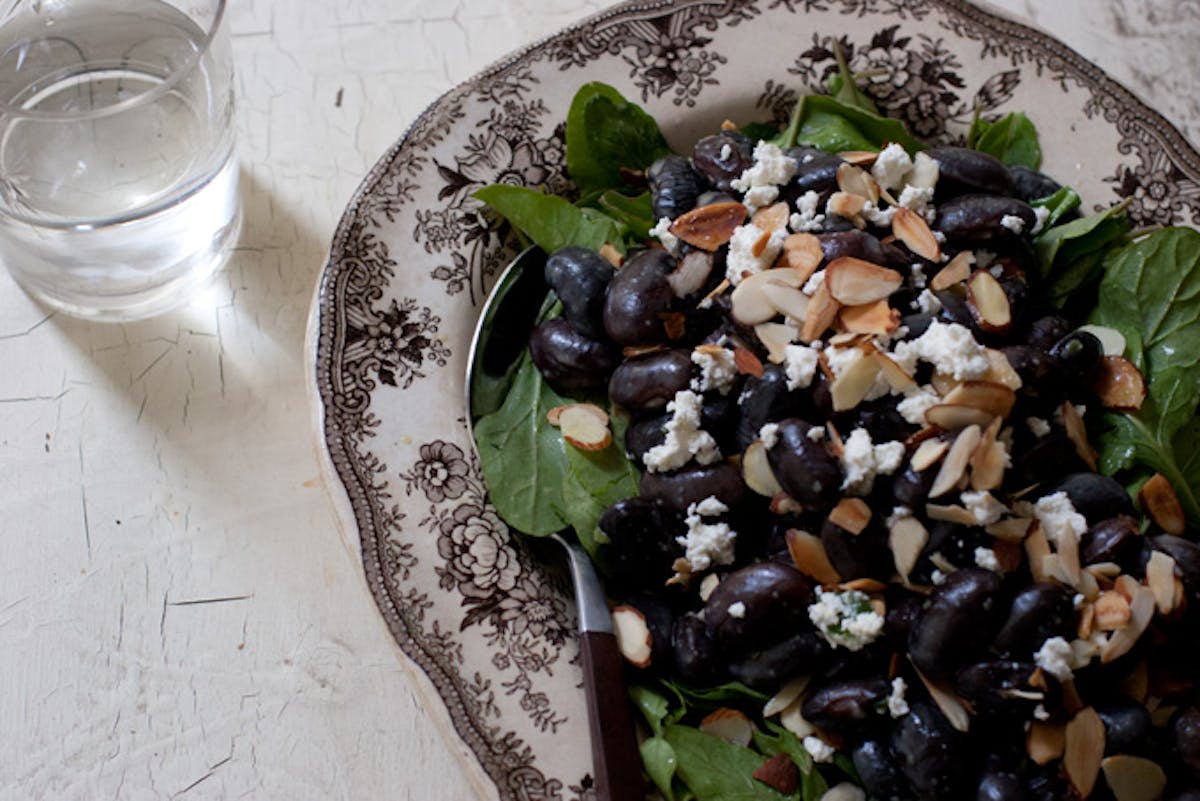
point(508, 317)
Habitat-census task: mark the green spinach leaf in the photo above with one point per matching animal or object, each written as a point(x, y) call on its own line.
point(844, 88)
point(635, 213)
point(550, 221)
point(827, 123)
point(1013, 139)
point(1071, 254)
point(658, 758)
point(759, 131)
point(714, 696)
point(1151, 294)
point(1062, 202)
point(812, 783)
point(606, 132)
point(716, 770)
point(594, 481)
point(523, 457)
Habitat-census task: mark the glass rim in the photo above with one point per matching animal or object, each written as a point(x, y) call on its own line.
point(149, 96)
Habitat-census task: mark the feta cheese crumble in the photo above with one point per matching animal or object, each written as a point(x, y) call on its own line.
point(898, 513)
point(717, 370)
point(1042, 213)
point(928, 303)
point(1055, 658)
point(1038, 426)
point(726, 152)
point(983, 507)
point(814, 282)
point(741, 261)
point(986, 558)
point(800, 364)
point(1058, 518)
point(949, 347)
point(769, 434)
point(707, 544)
point(1013, 223)
point(772, 167)
point(685, 439)
point(891, 166)
point(807, 217)
point(918, 199)
point(818, 749)
point(916, 403)
point(662, 232)
point(846, 619)
point(816, 433)
point(877, 216)
point(862, 461)
point(1040, 712)
point(737, 609)
point(896, 703)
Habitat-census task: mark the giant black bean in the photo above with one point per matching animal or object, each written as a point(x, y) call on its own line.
point(775, 664)
point(861, 245)
point(958, 622)
point(862, 555)
point(963, 171)
point(722, 157)
point(846, 706)
point(697, 658)
point(1127, 726)
point(1094, 496)
point(674, 186)
point(911, 488)
point(766, 399)
point(1117, 539)
point(816, 171)
point(579, 277)
point(1049, 457)
point(999, 786)
point(1038, 612)
point(568, 359)
point(932, 755)
point(651, 381)
point(774, 601)
point(877, 767)
point(638, 295)
point(643, 545)
point(990, 686)
point(804, 467)
point(1045, 331)
point(1030, 185)
point(979, 219)
point(1040, 377)
point(643, 435)
point(1078, 356)
point(1186, 731)
point(693, 484)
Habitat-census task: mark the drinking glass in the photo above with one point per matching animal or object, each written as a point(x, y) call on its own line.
point(118, 180)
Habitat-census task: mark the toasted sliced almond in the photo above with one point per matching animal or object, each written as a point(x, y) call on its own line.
point(611, 255)
point(1127, 585)
point(1119, 384)
point(957, 271)
point(760, 244)
point(748, 304)
point(995, 399)
point(899, 380)
point(1083, 750)
point(707, 585)
point(779, 773)
point(847, 205)
point(771, 219)
point(822, 311)
point(786, 300)
point(1000, 370)
point(1089, 587)
point(731, 725)
point(952, 706)
point(928, 453)
point(1111, 611)
point(1045, 741)
point(851, 386)
point(674, 324)
point(1160, 578)
point(1087, 620)
point(952, 417)
point(868, 586)
point(863, 158)
point(988, 466)
point(634, 640)
point(552, 416)
point(784, 504)
point(870, 318)
point(802, 253)
point(1037, 550)
point(793, 720)
point(634, 351)
point(1105, 570)
point(943, 383)
point(808, 553)
point(776, 337)
point(756, 471)
point(911, 229)
point(1141, 610)
point(747, 363)
point(956, 461)
point(787, 695)
point(716, 292)
point(1010, 529)
point(1111, 340)
point(855, 180)
point(691, 273)
point(1158, 498)
point(1077, 433)
point(1133, 778)
point(709, 227)
point(949, 514)
point(583, 429)
point(851, 514)
point(854, 282)
point(988, 303)
point(907, 538)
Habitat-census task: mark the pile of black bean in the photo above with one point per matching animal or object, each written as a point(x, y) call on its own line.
point(632, 330)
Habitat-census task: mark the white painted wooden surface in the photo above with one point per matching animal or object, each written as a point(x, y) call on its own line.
point(178, 615)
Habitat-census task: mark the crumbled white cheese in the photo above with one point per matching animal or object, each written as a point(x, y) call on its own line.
point(940, 238)
point(898, 513)
point(685, 439)
point(807, 217)
point(877, 216)
point(737, 609)
point(927, 303)
point(949, 347)
point(916, 403)
point(891, 166)
point(1080, 409)
point(662, 232)
point(918, 275)
point(816, 433)
point(759, 196)
point(771, 168)
point(841, 359)
point(1038, 426)
point(1042, 213)
point(1013, 223)
point(814, 282)
point(726, 152)
point(845, 619)
point(1055, 657)
point(862, 461)
point(918, 199)
point(818, 749)
point(1040, 712)
point(769, 434)
point(808, 157)
point(896, 703)
point(1078, 600)
point(717, 371)
point(937, 577)
point(1058, 518)
point(984, 259)
point(707, 544)
point(741, 261)
point(983, 507)
point(800, 364)
point(986, 558)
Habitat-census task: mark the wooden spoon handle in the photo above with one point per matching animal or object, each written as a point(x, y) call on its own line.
point(617, 764)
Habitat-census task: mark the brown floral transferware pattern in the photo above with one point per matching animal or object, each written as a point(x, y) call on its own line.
point(414, 255)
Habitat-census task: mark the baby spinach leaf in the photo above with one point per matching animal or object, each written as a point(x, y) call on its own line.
point(1151, 294)
point(833, 126)
point(634, 212)
point(654, 706)
point(812, 783)
point(1071, 254)
point(606, 132)
point(1064, 201)
point(523, 457)
point(1013, 139)
point(550, 221)
point(714, 696)
point(759, 131)
point(594, 481)
point(658, 758)
point(716, 770)
point(844, 88)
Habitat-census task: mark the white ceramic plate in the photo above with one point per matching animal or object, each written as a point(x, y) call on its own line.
point(414, 256)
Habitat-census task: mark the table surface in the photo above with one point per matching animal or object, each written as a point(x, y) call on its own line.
point(178, 614)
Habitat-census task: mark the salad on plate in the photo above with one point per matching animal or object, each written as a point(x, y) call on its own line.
point(886, 451)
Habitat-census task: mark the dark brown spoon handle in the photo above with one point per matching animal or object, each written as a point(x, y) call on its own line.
point(615, 757)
